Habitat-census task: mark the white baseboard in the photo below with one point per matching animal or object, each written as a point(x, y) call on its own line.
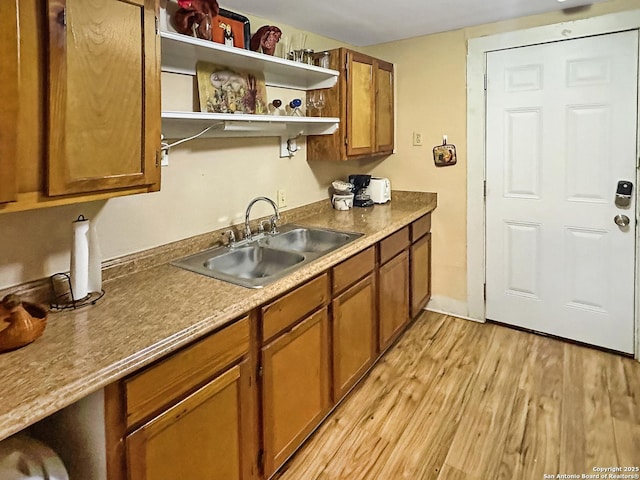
point(450, 306)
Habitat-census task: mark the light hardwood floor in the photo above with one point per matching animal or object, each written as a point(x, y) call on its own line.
point(454, 399)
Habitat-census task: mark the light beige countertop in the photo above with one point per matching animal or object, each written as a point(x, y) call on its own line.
point(151, 312)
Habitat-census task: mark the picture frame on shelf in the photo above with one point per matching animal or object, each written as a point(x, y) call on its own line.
point(232, 29)
point(228, 90)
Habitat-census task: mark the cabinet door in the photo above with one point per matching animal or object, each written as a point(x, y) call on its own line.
point(295, 388)
point(353, 335)
point(200, 437)
point(360, 104)
point(420, 274)
point(104, 96)
point(393, 298)
point(9, 79)
point(384, 107)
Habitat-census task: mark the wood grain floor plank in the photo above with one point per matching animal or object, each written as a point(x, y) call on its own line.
point(627, 443)
point(599, 434)
point(488, 411)
point(624, 389)
point(423, 446)
point(531, 445)
point(573, 450)
point(451, 473)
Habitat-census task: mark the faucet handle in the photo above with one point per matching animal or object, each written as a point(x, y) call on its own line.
point(273, 223)
point(232, 237)
point(261, 225)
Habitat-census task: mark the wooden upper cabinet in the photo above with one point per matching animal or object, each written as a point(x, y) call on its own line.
point(104, 101)
point(363, 100)
point(384, 107)
point(9, 106)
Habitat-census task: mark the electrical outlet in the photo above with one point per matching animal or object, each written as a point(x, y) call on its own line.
point(417, 139)
point(282, 198)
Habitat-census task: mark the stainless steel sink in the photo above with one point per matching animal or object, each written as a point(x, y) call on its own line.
point(268, 257)
point(253, 261)
point(304, 239)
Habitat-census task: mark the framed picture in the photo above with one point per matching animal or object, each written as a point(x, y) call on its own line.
point(232, 29)
point(225, 90)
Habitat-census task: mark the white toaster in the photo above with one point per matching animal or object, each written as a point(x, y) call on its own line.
point(379, 189)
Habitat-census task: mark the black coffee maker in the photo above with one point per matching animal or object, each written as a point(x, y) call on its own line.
point(361, 196)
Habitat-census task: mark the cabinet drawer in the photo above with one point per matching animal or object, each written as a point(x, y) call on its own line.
point(420, 227)
point(350, 271)
point(150, 391)
point(279, 315)
point(394, 244)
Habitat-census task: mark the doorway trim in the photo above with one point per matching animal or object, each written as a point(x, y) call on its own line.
point(477, 49)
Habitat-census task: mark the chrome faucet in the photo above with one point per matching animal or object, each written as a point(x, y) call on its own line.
point(272, 220)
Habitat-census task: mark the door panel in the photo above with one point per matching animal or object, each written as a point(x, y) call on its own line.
point(360, 105)
point(295, 392)
point(172, 445)
point(561, 132)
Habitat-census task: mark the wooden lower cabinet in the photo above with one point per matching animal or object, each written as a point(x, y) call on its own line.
point(295, 387)
point(236, 404)
point(420, 256)
point(353, 335)
point(393, 298)
point(199, 437)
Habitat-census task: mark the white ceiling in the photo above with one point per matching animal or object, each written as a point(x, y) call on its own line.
point(369, 22)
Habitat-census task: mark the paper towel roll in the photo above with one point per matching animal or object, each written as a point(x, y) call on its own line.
point(80, 258)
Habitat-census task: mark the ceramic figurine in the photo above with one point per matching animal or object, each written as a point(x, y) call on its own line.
point(266, 39)
point(194, 17)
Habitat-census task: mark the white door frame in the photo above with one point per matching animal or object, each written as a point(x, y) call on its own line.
point(476, 64)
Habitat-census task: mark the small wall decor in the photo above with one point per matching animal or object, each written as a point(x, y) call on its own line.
point(225, 90)
point(444, 155)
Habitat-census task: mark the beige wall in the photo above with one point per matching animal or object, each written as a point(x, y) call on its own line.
point(431, 99)
point(209, 182)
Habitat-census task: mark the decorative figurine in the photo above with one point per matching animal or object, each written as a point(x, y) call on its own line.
point(228, 34)
point(266, 39)
point(194, 17)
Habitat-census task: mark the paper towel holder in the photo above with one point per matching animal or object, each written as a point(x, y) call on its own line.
point(63, 298)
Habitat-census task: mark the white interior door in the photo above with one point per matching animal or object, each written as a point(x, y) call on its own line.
point(561, 133)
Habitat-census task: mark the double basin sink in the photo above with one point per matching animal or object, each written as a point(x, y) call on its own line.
point(268, 257)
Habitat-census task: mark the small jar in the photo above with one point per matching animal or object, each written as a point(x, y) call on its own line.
point(307, 56)
point(323, 59)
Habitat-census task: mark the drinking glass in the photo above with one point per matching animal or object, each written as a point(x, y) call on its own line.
point(310, 104)
point(283, 47)
point(298, 41)
point(319, 101)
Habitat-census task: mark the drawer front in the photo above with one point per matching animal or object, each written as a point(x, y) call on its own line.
point(284, 312)
point(420, 227)
point(394, 244)
point(153, 389)
point(352, 270)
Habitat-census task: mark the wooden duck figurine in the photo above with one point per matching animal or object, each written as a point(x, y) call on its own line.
point(23, 322)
